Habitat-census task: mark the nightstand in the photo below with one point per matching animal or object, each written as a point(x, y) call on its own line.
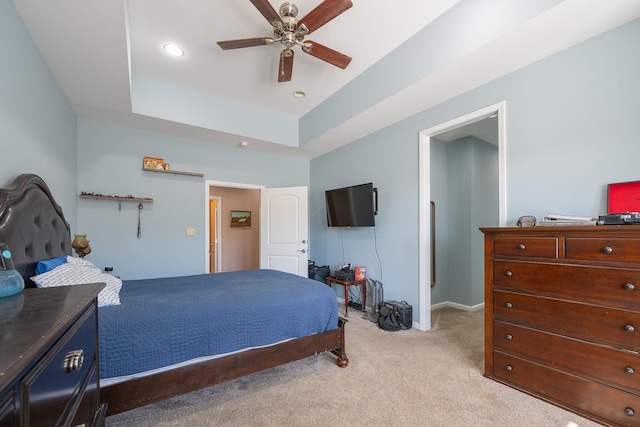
point(346, 284)
point(49, 357)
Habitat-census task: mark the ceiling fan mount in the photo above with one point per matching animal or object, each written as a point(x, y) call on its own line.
point(290, 32)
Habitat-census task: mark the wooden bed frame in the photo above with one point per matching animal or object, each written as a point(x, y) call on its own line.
point(33, 226)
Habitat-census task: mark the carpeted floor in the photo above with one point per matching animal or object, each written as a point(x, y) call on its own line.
point(405, 378)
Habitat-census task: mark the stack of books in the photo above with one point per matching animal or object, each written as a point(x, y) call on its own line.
point(566, 220)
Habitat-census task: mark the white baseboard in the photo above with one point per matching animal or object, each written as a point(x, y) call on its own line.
point(458, 306)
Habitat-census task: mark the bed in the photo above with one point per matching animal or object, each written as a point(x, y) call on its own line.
point(170, 336)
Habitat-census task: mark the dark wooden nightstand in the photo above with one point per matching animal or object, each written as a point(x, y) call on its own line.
point(49, 372)
point(346, 284)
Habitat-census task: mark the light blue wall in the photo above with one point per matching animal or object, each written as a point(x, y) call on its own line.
point(571, 126)
point(431, 49)
point(110, 162)
point(37, 125)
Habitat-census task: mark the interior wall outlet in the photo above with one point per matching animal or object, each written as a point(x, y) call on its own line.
point(191, 231)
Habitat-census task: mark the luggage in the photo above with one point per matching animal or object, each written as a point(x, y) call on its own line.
point(404, 312)
point(318, 273)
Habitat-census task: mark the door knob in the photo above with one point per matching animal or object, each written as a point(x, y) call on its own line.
point(304, 251)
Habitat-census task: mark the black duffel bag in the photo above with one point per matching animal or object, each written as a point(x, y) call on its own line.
point(389, 318)
point(318, 273)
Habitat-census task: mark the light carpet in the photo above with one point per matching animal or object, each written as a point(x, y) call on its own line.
point(404, 378)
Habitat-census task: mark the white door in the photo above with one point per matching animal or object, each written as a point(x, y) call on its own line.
point(284, 230)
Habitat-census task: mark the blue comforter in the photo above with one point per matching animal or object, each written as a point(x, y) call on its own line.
point(165, 321)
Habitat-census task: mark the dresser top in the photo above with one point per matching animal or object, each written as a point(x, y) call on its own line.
point(555, 229)
point(32, 320)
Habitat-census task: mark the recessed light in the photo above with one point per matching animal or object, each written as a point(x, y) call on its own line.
point(299, 94)
point(173, 50)
point(243, 143)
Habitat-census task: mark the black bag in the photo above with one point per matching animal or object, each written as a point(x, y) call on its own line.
point(318, 273)
point(389, 319)
point(404, 312)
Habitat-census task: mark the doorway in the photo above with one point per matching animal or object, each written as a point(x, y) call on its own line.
point(426, 268)
point(274, 233)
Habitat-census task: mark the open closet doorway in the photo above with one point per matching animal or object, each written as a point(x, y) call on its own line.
point(428, 250)
point(232, 245)
point(249, 227)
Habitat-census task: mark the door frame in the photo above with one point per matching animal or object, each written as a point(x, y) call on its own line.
point(207, 185)
point(217, 235)
point(424, 154)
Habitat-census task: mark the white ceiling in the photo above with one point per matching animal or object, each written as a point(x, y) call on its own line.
point(95, 47)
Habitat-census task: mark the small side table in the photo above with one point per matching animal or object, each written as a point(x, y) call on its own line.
point(346, 284)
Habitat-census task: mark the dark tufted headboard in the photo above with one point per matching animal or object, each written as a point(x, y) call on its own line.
point(32, 224)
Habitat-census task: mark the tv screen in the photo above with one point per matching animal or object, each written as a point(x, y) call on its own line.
point(351, 206)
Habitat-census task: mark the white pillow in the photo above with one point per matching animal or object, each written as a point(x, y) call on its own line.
point(79, 261)
point(79, 274)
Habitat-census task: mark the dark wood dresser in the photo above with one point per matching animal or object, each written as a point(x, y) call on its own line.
point(49, 358)
point(562, 317)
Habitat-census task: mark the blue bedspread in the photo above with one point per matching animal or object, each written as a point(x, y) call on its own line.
point(165, 321)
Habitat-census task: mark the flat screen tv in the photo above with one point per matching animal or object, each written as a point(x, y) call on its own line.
point(353, 206)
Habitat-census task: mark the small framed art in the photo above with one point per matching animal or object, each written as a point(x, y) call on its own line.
point(154, 163)
point(241, 219)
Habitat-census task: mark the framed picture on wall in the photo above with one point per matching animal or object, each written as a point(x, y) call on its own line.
point(153, 163)
point(241, 219)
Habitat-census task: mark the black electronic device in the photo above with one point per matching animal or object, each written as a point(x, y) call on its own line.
point(346, 275)
point(354, 206)
point(620, 219)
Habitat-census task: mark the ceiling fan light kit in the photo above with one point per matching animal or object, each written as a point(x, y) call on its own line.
point(290, 32)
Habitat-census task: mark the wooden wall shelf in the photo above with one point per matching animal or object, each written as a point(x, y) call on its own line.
point(117, 198)
point(173, 172)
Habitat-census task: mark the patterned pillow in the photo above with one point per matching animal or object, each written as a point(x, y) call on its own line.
point(81, 273)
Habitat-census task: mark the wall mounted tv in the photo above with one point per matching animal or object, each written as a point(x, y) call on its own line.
point(354, 206)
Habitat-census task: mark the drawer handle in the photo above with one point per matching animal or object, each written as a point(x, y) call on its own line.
point(509, 305)
point(629, 412)
point(522, 247)
point(73, 361)
point(629, 328)
point(629, 286)
point(607, 249)
point(509, 337)
point(629, 370)
point(508, 368)
point(509, 273)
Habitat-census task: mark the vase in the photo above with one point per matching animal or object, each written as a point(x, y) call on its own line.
point(11, 282)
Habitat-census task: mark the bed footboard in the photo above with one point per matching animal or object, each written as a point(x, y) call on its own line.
point(143, 391)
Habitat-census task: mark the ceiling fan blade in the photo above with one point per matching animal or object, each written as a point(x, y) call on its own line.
point(286, 66)
point(267, 10)
point(326, 54)
point(323, 13)
point(235, 44)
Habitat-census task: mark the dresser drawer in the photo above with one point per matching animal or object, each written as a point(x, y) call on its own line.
point(601, 284)
point(584, 321)
point(599, 362)
point(603, 249)
point(607, 403)
point(53, 389)
point(546, 247)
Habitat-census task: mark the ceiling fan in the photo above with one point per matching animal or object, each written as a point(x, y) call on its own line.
point(291, 32)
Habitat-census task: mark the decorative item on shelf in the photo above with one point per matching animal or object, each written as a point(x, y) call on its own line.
point(11, 282)
point(241, 219)
point(81, 245)
point(154, 163)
